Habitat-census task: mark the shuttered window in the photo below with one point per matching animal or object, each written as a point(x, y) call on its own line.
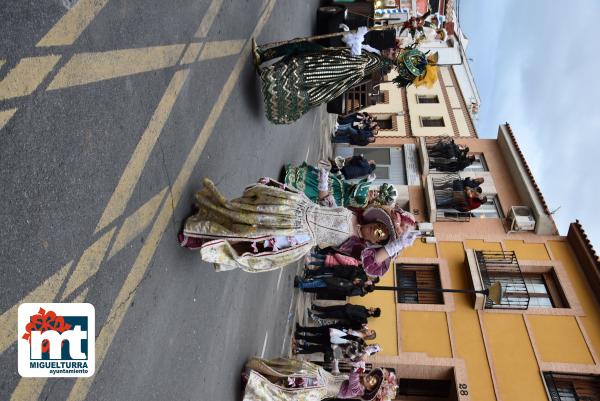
point(427, 99)
point(432, 122)
point(410, 278)
point(571, 387)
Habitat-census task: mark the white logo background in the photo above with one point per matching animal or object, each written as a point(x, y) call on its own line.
point(73, 335)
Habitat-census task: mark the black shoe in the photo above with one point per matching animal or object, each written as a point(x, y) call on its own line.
point(282, 174)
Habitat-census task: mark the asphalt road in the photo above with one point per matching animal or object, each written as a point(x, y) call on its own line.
point(111, 112)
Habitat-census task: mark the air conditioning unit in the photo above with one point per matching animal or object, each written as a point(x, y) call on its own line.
point(521, 219)
point(425, 227)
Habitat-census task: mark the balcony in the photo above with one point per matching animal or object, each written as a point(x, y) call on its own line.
point(487, 267)
point(439, 189)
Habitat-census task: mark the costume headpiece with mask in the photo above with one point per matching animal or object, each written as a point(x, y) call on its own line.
point(392, 218)
point(415, 67)
point(372, 394)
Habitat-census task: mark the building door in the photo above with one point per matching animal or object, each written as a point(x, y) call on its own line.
point(390, 162)
point(423, 389)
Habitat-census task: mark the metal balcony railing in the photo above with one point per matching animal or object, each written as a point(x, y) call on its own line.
point(442, 189)
point(343, 366)
point(565, 387)
point(503, 267)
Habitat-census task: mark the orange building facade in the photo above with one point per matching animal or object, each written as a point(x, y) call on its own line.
point(542, 341)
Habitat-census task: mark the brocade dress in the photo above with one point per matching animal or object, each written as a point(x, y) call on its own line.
point(306, 178)
point(297, 83)
point(247, 232)
point(270, 380)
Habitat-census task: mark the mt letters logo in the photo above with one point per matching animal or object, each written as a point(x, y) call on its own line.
point(56, 340)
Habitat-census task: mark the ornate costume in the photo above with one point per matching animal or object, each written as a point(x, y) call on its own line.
point(289, 380)
point(346, 194)
point(415, 67)
point(271, 226)
point(308, 76)
point(296, 84)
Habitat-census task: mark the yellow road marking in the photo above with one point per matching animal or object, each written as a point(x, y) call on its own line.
point(6, 115)
point(28, 389)
point(26, 76)
point(89, 263)
point(45, 292)
point(2, 63)
point(127, 293)
point(133, 171)
point(85, 68)
point(137, 222)
point(81, 296)
point(191, 54)
point(221, 48)
point(208, 19)
point(73, 23)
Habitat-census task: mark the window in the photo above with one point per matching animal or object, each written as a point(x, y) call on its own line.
point(478, 165)
point(385, 123)
point(413, 277)
point(544, 290)
point(572, 387)
point(541, 289)
point(427, 99)
point(380, 155)
point(388, 167)
point(432, 122)
point(449, 203)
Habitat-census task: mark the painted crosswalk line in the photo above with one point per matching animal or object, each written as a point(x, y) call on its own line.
point(73, 23)
point(26, 76)
point(122, 193)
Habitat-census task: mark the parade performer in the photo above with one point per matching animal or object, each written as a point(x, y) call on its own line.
point(306, 178)
point(273, 225)
point(284, 379)
point(309, 75)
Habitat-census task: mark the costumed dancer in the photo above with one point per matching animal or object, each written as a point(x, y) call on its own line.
point(284, 379)
point(273, 225)
point(309, 75)
point(318, 185)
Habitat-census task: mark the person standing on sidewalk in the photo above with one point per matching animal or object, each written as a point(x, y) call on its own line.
point(335, 285)
point(354, 314)
point(356, 137)
point(322, 335)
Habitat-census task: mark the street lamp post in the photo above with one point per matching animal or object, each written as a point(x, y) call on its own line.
point(494, 292)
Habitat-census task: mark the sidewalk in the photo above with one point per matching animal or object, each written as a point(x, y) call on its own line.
point(302, 300)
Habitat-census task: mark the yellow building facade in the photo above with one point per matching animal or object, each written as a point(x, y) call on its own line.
point(541, 342)
point(421, 111)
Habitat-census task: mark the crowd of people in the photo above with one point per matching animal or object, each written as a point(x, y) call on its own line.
point(463, 195)
point(448, 156)
point(358, 129)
